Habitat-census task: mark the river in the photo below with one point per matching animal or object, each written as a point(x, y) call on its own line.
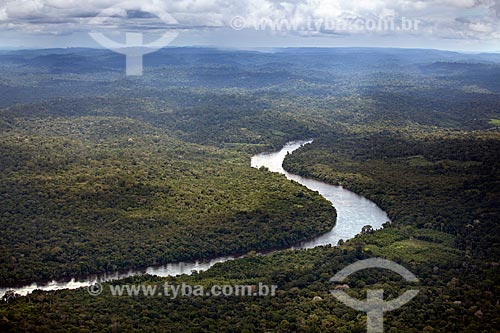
point(353, 212)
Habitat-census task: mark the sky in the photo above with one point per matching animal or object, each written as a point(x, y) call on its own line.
point(460, 25)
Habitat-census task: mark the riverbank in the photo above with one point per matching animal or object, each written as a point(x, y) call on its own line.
point(353, 213)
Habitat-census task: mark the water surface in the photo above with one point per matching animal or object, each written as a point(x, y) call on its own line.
point(353, 211)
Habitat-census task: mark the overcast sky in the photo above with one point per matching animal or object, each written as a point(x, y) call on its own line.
point(468, 25)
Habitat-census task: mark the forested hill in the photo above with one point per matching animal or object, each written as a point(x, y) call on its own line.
point(216, 97)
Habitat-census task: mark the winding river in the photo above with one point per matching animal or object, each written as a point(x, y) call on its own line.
point(353, 212)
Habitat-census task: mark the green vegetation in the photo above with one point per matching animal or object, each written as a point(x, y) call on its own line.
point(441, 189)
point(99, 173)
point(446, 302)
point(449, 242)
point(494, 122)
point(86, 194)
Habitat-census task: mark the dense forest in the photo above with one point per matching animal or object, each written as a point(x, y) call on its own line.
point(101, 173)
point(85, 194)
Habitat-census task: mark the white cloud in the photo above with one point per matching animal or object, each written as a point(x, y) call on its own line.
point(481, 27)
point(440, 18)
point(3, 14)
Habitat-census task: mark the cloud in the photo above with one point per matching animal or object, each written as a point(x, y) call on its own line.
point(481, 27)
point(3, 14)
point(468, 19)
point(495, 8)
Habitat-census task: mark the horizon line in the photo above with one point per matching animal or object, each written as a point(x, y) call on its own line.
point(250, 48)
